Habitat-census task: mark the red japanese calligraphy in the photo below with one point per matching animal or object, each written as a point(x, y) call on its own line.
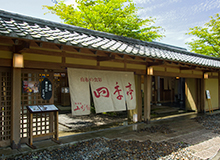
point(102, 91)
point(81, 106)
point(82, 79)
point(96, 79)
point(130, 91)
point(77, 108)
point(119, 97)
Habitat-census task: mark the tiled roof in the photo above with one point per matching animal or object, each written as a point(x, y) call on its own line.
point(16, 25)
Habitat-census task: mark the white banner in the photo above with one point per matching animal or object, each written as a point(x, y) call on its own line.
point(111, 91)
point(129, 88)
point(79, 91)
point(100, 91)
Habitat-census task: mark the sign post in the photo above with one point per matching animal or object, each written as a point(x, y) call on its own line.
point(208, 97)
point(42, 109)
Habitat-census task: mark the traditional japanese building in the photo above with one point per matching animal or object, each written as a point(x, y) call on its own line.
point(33, 49)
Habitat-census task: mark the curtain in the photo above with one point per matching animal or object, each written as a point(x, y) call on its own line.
point(111, 91)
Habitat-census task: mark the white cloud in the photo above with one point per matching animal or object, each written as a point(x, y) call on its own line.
point(143, 1)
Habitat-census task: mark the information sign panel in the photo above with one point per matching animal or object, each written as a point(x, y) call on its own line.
point(42, 108)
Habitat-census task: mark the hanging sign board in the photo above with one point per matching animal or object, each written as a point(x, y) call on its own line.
point(208, 96)
point(46, 89)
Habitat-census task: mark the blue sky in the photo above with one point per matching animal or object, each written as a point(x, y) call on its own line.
point(175, 16)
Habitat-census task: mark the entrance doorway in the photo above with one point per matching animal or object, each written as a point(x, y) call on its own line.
point(168, 96)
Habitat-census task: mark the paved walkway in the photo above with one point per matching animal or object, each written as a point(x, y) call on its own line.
point(204, 143)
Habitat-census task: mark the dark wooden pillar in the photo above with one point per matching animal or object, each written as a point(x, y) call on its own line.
point(202, 96)
point(198, 93)
point(219, 90)
point(147, 97)
point(16, 108)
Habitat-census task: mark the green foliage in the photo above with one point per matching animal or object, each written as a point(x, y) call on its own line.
point(113, 16)
point(207, 40)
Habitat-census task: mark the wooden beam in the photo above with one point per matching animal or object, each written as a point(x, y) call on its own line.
point(42, 52)
point(154, 64)
point(71, 49)
point(39, 44)
point(121, 55)
point(16, 41)
point(60, 66)
point(105, 58)
point(147, 97)
point(78, 49)
point(187, 68)
point(5, 40)
point(93, 51)
point(5, 62)
point(42, 65)
point(6, 48)
point(18, 48)
point(172, 74)
point(60, 46)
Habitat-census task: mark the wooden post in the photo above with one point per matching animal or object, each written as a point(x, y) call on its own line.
point(16, 108)
point(202, 96)
point(56, 126)
point(171, 90)
point(51, 114)
point(31, 129)
point(147, 97)
point(219, 90)
point(198, 93)
point(139, 97)
point(138, 109)
point(158, 89)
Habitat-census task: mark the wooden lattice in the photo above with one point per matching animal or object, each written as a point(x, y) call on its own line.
point(41, 121)
point(5, 104)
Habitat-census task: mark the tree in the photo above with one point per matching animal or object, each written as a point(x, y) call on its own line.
point(207, 40)
point(113, 16)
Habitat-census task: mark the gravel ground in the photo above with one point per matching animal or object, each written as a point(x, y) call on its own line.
point(102, 148)
point(210, 122)
point(106, 149)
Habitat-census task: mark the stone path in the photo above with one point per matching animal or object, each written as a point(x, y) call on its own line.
point(207, 148)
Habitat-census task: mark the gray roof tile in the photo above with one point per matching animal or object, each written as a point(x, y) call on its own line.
point(16, 25)
point(122, 47)
point(129, 49)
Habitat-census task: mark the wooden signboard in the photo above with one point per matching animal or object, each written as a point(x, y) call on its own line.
point(42, 109)
point(208, 97)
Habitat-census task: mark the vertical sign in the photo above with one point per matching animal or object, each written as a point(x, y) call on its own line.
point(46, 89)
